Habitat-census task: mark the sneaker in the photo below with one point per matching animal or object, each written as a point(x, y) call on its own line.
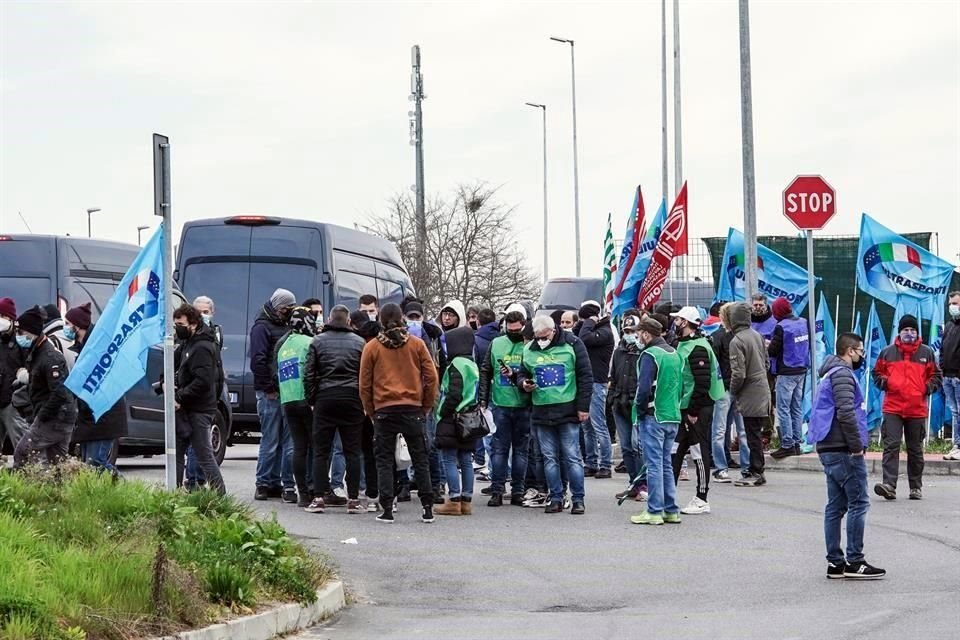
point(782, 453)
point(647, 518)
point(722, 476)
point(578, 509)
point(482, 476)
point(516, 501)
point(354, 506)
point(339, 492)
point(627, 493)
point(642, 495)
point(438, 498)
point(304, 501)
point(797, 450)
point(696, 507)
point(333, 500)
point(496, 500)
point(315, 506)
point(684, 476)
point(274, 492)
point(372, 505)
point(863, 571)
point(567, 502)
point(540, 501)
point(761, 480)
point(477, 466)
point(954, 454)
point(589, 472)
point(404, 495)
point(487, 491)
point(554, 507)
point(748, 480)
point(622, 468)
point(916, 494)
point(885, 491)
point(603, 474)
point(671, 518)
point(385, 517)
point(290, 496)
point(835, 570)
point(530, 494)
point(261, 493)
point(426, 515)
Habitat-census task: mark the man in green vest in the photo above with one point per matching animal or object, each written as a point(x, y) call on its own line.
point(702, 386)
point(556, 372)
point(510, 408)
point(659, 386)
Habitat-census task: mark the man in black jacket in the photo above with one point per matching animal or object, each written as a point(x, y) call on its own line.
point(54, 407)
point(275, 458)
point(196, 393)
point(597, 336)
point(623, 391)
point(950, 365)
point(725, 411)
point(12, 359)
point(331, 381)
point(95, 437)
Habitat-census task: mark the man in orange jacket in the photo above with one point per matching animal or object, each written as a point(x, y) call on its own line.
point(908, 373)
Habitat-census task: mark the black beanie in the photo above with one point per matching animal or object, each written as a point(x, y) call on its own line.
point(31, 321)
point(908, 322)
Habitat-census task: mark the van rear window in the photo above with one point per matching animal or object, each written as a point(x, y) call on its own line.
point(26, 292)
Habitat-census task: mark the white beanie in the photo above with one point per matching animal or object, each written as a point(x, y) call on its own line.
point(516, 306)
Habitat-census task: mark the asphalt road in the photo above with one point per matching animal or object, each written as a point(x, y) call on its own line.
point(752, 568)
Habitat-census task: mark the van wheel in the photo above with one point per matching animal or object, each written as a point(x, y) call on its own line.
point(219, 437)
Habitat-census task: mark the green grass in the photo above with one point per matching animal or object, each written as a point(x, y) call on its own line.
point(80, 558)
point(934, 445)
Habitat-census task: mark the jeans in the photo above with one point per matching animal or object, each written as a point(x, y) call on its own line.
point(459, 481)
point(560, 445)
point(437, 474)
point(951, 392)
point(411, 425)
point(195, 476)
point(97, 454)
point(846, 494)
point(193, 429)
point(331, 418)
point(629, 436)
point(338, 463)
point(275, 459)
point(599, 451)
point(790, 409)
point(894, 429)
point(535, 476)
point(725, 412)
point(754, 428)
point(300, 420)
point(658, 439)
point(513, 431)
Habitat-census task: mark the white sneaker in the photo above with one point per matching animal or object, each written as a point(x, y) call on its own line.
point(953, 455)
point(339, 492)
point(722, 476)
point(567, 503)
point(642, 496)
point(530, 494)
point(696, 507)
point(372, 505)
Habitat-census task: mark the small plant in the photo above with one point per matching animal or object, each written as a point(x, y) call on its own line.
point(229, 586)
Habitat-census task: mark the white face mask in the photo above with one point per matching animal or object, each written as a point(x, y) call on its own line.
point(954, 312)
point(372, 315)
point(544, 342)
point(207, 318)
point(6, 324)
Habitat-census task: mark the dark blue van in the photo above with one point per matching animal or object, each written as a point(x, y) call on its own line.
point(239, 261)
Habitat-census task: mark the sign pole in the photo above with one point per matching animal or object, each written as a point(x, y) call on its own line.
point(162, 207)
point(811, 313)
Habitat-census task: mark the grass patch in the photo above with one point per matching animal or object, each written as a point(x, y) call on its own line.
point(83, 558)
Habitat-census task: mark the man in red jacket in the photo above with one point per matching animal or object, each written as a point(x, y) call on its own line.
point(907, 372)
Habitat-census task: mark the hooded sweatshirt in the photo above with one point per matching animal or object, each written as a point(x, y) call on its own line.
point(397, 374)
point(457, 307)
point(907, 374)
point(458, 389)
point(748, 365)
point(264, 334)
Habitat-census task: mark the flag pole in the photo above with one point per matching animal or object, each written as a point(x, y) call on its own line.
point(853, 309)
point(162, 207)
point(836, 324)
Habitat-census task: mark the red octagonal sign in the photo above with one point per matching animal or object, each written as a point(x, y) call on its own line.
point(809, 202)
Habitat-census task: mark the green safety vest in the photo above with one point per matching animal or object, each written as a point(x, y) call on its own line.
point(555, 373)
point(470, 373)
point(669, 385)
point(685, 348)
point(291, 358)
point(503, 393)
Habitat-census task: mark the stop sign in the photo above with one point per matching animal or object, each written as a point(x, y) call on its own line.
point(809, 202)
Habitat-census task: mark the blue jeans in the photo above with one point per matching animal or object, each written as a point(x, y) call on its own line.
point(789, 391)
point(338, 464)
point(725, 413)
point(195, 477)
point(97, 454)
point(513, 430)
point(630, 447)
point(560, 445)
point(275, 459)
point(658, 439)
point(599, 450)
point(459, 481)
point(951, 391)
point(846, 494)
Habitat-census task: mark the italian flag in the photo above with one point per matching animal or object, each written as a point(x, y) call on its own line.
point(609, 266)
point(894, 252)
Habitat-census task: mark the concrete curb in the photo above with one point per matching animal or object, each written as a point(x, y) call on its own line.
point(874, 465)
point(269, 624)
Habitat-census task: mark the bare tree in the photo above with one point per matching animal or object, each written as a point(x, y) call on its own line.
point(471, 251)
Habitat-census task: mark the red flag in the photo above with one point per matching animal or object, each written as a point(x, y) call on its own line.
point(635, 231)
point(668, 246)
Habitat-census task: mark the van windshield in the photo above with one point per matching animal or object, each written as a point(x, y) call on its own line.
point(26, 292)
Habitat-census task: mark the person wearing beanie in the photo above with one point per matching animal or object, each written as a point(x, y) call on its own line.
point(54, 407)
point(12, 360)
point(95, 437)
point(907, 372)
point(596, 333)
point(623, 388)
point(275, 458)
point(789, 351)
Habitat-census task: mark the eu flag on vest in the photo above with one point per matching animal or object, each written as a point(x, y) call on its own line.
point(114, 357)
point(550, 375)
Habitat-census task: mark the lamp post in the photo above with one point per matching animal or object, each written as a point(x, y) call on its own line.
point(139, 231)
point(89, 226)
point(576, 173)
point(546, 263)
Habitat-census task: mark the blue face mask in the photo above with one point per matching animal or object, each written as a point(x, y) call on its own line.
point(630, 338)
point(24, 342)
point(207, 318)
point(414, 324)
point(70, 334)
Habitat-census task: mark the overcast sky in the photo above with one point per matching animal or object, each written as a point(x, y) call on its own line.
point(300, 109)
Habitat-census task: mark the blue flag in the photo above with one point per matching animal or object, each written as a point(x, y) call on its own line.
point(856, 324)
point(633, 281)
point(825, 331)
point(114, 357)
point(873, 343)
point(891, 268)
point(939, 411)
point(777, 276)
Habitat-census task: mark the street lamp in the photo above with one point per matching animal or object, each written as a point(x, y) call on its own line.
point(576, 173)
point(89, 227)
point(545, 245)
point(139, 231)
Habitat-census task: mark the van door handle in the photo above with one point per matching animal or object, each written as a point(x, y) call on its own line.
point(326, 278)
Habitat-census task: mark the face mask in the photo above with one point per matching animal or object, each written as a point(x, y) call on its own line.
point(372, 316)
point(207, 319)
point(70, 333)
point(6, 325)
point(24, 342)
point(515, 336)
point(630, 339)
point(858, 364)
point(908, 338)
point(414, 324)
point(955, 311)
point(473, 325)
point(544, 342)
point(183, 333)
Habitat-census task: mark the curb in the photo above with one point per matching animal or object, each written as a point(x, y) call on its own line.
point(874, 465)
point(269, 624)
